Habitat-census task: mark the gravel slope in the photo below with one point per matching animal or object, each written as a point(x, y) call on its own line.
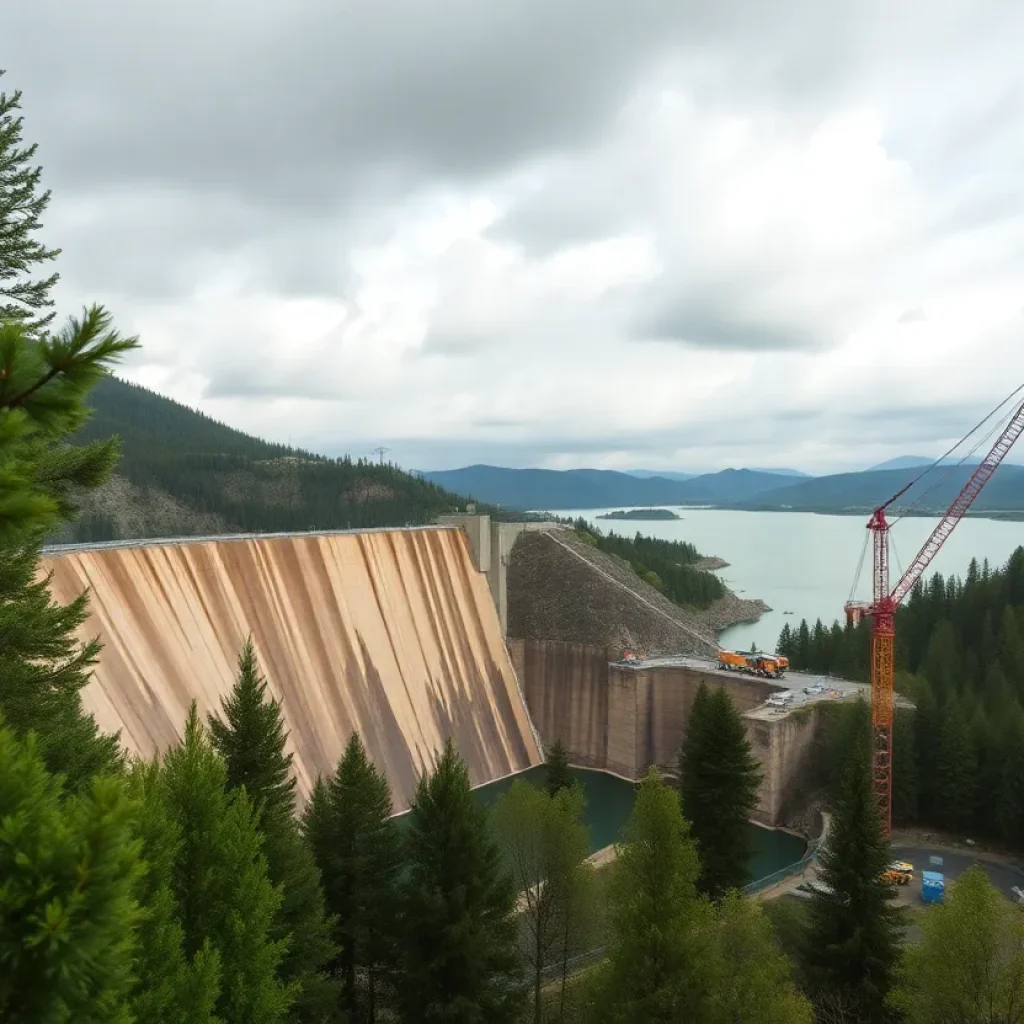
point(559, 594)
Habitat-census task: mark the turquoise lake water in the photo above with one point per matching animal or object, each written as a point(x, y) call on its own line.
point(804, 563)
point(610, 800)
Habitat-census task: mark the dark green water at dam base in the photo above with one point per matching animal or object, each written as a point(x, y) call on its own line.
point(610, 801)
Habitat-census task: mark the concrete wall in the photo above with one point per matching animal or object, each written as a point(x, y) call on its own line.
point(391, 633)
point(625, 718)
point(784, 744)
point(491, 546)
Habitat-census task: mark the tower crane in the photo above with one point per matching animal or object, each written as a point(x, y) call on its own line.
point(885, 600)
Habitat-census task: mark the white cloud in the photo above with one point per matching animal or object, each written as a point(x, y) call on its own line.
point(691, 241)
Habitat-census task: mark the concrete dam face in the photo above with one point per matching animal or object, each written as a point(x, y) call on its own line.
point(393, 634)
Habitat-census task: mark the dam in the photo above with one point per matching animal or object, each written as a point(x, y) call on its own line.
point(399, 635)
point(393, 634)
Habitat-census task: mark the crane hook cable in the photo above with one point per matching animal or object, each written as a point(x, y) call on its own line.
point(919, 501)
point(903, 490)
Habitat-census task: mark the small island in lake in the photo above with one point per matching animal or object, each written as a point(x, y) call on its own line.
point(642, 514)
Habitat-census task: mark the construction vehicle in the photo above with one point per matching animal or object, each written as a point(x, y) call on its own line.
point(885, 599)
point(770, 665)
point(900, 872)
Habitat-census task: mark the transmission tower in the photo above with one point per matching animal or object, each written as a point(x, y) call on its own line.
point(380, 453)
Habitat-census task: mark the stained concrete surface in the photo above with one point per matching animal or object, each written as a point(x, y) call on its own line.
point(390, 633)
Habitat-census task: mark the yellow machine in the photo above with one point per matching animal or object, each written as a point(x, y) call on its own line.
point(771, 665)
point(900, 872)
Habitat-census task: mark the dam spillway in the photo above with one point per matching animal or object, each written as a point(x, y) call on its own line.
point(393, 634)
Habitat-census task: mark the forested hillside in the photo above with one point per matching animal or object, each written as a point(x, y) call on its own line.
point(959, 759)
point(667, 565)
point(182, 473)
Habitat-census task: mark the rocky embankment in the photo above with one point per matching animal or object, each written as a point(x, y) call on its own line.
point(586, 596)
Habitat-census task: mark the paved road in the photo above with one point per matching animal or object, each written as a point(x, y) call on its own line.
point(1003, 876)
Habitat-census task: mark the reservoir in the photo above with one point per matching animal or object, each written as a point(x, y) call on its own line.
point(805, 563)
point(610, 800)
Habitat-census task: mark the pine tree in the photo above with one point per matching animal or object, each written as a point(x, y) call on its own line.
point(220, 882)
point(68, 913)
point(458, 908)
point(251, 738)
point(956, 770)
point(660, 967)
point(355, 843)
point(169, 988)
point(904, 769)
point(854, 935)
point(43, 387)
point(22, 204)
point(719, 779)
point(43, 669)
point(559, 776)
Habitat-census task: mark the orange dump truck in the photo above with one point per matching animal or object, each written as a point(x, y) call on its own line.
point(772, 665)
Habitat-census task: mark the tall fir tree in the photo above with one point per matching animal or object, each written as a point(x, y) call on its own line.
point(458, 903)
point(251, 739)
point(68, 908)
point(853, 939)
point(660, 967)
point(169, 988)
point(220, 882)
point(23, 297)
point(44, 384)
point(43, 669)
point(718, 779)
point(559, 776)
point(355, 842)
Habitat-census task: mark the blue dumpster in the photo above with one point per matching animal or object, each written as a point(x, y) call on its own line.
point(932, 886)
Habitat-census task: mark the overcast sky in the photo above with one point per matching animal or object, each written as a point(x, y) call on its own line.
point(657, 234)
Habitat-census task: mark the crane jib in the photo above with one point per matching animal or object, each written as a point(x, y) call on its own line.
point(885, 602)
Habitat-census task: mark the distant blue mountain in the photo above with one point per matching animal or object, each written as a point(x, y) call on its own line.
point(601, 488)
point(665, 474)
point(919, 462)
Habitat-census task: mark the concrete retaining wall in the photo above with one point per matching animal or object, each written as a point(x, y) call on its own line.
point(625, 718)
point(491, 546)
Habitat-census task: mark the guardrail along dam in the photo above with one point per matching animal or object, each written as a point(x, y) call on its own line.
point(393, 634)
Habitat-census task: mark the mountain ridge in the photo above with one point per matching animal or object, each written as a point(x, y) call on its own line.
point(742, 489)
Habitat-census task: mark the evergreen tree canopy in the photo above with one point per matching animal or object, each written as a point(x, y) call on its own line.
point(68, 875)
point(719, 779)
point(348, 827)
point(251, 739)
point(660, 967)
point(458, 925)
point(855, 930)
point(23, 297)
point(559, 775)
point(169, 988)
point(220, 881)
point(43, 669)
point(43, 386)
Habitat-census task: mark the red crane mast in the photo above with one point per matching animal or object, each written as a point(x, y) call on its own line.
point(885, 601)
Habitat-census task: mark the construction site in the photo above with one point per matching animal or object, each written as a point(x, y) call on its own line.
point(503, 636)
